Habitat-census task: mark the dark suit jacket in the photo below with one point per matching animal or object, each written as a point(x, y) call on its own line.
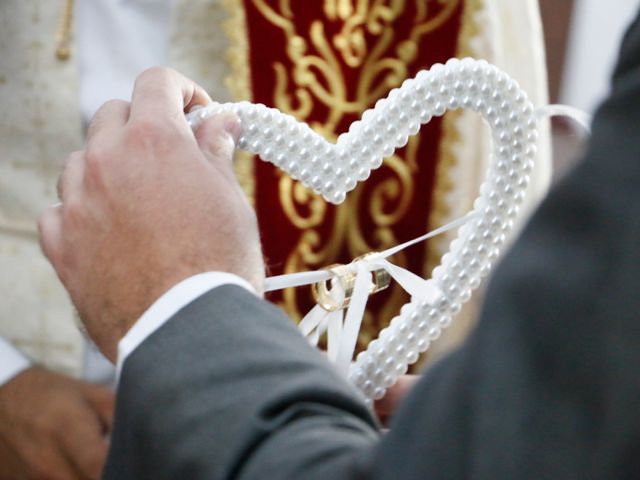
point(547, 387)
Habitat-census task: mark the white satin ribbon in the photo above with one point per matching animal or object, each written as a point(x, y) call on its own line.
point(582, 118)
point(342, 331)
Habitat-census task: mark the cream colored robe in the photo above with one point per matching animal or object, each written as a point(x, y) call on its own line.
point(40, 124)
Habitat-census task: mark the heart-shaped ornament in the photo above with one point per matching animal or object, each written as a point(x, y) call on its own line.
point(332, 170)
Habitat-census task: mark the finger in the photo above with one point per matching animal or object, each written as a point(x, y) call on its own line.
point(12, 465)
point(394, 396)
point(53, 464)
point(50, 223)
point(83, 443)
point(71, 177)
point(164, 93)
point(217, 137)
point(109, 117)
point(50, 234)
point(102, 400)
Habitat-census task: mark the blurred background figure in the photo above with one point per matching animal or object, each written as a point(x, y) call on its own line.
point(595, 33)
point(324, 62)
point(582, 39)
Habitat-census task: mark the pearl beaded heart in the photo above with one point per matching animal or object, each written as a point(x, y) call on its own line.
point(333, 170)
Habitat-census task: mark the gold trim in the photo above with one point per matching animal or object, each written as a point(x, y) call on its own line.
point(63, 36)
point(451, 135)
point(470, 29)
point(239, 83)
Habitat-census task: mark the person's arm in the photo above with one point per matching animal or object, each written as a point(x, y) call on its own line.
point(236, 381)
point(546, 387)
point(53, 426)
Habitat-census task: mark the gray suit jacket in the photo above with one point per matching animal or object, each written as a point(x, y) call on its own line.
point(548, 385)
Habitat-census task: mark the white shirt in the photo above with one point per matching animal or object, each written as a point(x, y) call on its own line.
point(116, 40)
point(169, 304)
point(12, 362)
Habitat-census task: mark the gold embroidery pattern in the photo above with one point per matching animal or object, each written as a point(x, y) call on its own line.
point(366, 44)
point(441, 211)
point(445, 183)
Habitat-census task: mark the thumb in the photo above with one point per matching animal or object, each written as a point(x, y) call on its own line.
point(217, 137)
point(102, 400)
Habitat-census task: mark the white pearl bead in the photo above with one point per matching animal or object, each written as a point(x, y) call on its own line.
point(378, 393)
point(243, 143)
point(337, 197)
point(357, 376)
point(362, 174)
point(423, 345)
point(388, 150)
point(412, 357)
point(350, 183)
point(425, 116)
point(388, 381)
point(401, 140)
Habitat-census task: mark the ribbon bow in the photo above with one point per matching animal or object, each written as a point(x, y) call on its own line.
point(350, 288)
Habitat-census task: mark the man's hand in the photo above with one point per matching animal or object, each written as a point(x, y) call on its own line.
point(146, 205)
point(53, 427)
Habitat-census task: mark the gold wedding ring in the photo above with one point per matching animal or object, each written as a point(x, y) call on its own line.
point(346, 277)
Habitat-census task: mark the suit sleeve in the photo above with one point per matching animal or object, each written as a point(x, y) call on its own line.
point(548, 386)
